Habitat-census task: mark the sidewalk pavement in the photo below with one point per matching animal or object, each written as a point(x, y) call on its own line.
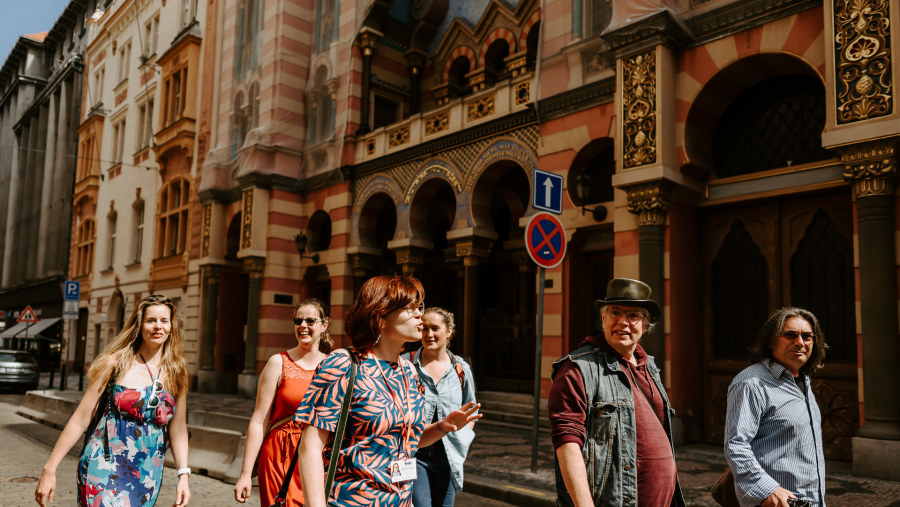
point(499, 462)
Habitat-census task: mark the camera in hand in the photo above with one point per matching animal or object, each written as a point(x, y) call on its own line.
point(796, 502)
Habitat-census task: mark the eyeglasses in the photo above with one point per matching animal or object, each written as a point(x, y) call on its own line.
point(412, 309)
point(631, 316)
point(309, 321)
point(154, 394)
point(793, 335)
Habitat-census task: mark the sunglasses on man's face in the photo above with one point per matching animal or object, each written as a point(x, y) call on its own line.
point(154, 394)
point(309, 321)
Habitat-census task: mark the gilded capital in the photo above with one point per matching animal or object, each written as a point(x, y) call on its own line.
point(368, 40)
point(870, 168)
point(650, 201)
point(361, 264)
point(472, 249)
point(410, 258)
point(254, 266)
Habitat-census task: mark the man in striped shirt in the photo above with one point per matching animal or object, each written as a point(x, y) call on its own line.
point(773, 427)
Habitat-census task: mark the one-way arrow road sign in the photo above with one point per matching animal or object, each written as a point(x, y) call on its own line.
point(547, 193)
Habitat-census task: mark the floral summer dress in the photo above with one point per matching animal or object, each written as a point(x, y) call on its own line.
point(136, 436)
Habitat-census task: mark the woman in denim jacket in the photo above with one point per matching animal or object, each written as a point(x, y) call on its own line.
point(448, 385)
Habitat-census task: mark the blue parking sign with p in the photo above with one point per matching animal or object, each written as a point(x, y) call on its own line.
point(547, 191)
point(72, 290)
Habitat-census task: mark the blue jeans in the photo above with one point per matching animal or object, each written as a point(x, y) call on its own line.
point(433, 486)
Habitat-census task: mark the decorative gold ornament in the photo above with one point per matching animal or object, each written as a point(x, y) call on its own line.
point(370, 146)
point(254, 266)
point(436, 123)
point(870, 168)
point(207, 217)
point(650, 201)
point(247, 219)
point(862, 50)
point(639, 108)
point(398, 136)
point(480, 108)
point(523, 93)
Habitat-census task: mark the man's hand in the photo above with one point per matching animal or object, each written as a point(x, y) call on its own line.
point(779, 498)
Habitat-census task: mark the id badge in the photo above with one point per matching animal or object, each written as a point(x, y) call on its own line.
point(403, 470)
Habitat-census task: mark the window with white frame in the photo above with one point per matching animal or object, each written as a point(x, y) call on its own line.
point(111, 222)
point(189, 11)
point(124, 61)
point(151, 36)
point(137, 241)
point(99, 77)
point(118, 141)
point(145, 124)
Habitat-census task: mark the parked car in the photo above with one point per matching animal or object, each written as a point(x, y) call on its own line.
point(18, 370)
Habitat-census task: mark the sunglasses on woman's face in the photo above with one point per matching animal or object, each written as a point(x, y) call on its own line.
point(154, 394)
point(309, 321)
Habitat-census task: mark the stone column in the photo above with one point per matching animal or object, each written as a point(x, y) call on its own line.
point(650, 202)
point(368, 40)
point(206, 378)
point(871, 170)
point(472, 250)
point(63, 185)
point(47, 201)
point(248, 378)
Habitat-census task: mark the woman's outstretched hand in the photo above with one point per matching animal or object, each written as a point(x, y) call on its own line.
point(460, 417)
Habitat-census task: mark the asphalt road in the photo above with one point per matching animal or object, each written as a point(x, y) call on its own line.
point(25, 445)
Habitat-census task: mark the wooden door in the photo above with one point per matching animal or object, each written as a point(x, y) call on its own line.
point(794, 250)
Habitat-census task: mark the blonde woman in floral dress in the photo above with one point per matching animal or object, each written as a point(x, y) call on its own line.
point(143, 373)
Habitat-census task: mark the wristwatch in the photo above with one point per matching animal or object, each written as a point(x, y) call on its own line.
point(182, 471)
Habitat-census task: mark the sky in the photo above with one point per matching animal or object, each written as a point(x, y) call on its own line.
point(23, 17)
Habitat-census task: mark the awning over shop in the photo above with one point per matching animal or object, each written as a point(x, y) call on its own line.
point(24, 329)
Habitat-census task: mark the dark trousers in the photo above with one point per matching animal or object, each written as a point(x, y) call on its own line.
point(433, 486)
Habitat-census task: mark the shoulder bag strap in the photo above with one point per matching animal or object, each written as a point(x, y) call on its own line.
point(342, 424)
point(281, 496)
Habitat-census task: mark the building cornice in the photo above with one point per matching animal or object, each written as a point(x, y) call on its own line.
point(740, 16)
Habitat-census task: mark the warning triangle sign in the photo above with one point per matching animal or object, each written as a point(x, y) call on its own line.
point(27, 315)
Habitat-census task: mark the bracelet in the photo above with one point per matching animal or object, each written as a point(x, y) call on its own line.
point(182, 471)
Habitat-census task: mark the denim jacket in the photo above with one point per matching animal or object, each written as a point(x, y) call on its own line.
point(443, 398)
point(610, 447)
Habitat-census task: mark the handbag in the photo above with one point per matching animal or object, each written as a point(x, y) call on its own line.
point(281, 497)
point(723, 490)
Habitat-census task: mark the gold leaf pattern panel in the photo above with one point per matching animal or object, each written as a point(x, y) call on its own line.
point(639, 109)
point(862, 51)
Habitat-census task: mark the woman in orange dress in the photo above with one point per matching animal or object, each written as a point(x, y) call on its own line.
point(282, 384)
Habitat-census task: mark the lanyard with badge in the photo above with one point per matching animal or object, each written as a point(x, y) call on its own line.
point(404, 467)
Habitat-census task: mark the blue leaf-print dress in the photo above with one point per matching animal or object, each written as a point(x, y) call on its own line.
point(137, 438)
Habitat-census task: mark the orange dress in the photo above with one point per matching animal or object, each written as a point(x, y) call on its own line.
point(280, 443)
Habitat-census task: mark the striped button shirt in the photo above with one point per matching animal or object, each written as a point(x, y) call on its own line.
point(773, 436)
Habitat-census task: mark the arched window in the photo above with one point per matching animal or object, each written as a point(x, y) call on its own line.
point(171, 237)
point(327, 23)
point(84, 247)
point(495, 60)
point(457, 80)
point(775, 123)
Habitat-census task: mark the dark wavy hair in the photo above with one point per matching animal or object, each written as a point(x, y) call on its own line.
point(761, 348)
point(378, 297)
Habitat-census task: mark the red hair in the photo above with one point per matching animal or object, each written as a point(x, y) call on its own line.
point(378, 297)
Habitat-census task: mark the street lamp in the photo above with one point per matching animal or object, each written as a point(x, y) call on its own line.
point(301, 240)
point(583, 192)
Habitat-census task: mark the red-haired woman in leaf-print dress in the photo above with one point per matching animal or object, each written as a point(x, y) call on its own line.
point(386, 423)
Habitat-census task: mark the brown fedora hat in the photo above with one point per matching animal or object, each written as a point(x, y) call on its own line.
point(628, 292)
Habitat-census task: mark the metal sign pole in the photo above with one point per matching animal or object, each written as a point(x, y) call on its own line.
point(538, 342)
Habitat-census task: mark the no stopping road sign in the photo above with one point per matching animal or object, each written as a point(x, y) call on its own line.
point(545, 240)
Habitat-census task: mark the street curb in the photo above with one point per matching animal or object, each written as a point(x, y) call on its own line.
point(508, 492)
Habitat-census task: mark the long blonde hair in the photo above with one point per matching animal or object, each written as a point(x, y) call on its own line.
point(120, 353)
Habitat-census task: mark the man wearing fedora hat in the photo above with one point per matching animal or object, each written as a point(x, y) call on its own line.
point(610, 417)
